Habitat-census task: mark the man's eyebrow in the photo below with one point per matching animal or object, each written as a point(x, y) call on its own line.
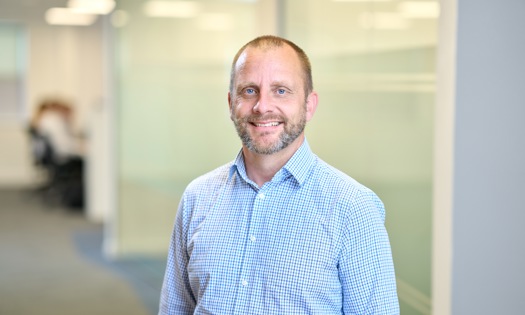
point(276, 84)
point(281, 82)
point(249, 83)
point(243, 85)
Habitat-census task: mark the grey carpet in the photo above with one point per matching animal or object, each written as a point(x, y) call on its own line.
point(51, 264)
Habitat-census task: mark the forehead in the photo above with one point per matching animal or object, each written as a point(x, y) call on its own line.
point(273, 61)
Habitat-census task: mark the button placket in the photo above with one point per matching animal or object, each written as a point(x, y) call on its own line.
point(258, 206)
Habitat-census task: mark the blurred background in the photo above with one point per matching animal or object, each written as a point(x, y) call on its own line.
point(136, 93)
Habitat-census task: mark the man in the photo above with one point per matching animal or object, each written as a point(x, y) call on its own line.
point(277, 231)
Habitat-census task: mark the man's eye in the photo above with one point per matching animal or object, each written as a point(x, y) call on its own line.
point(281, 91)
point(250, 91)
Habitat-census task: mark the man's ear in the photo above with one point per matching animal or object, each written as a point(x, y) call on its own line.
point(230, 106)
point(311, 105)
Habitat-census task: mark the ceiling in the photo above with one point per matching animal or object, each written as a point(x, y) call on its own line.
point(25, 10)
point(10, 5)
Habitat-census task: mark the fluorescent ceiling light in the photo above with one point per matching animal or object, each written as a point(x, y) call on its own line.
point(419, 9)
point(356, 1)
point(92, 6)
point(64, 16)
point(383, 21)
point(178, 9)
point(215, 22)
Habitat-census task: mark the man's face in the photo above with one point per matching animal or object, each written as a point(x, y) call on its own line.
point(268, 104)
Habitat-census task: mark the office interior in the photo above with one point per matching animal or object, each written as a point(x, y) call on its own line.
point(420, 100)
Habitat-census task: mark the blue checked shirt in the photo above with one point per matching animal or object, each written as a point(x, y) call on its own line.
point(310, 241)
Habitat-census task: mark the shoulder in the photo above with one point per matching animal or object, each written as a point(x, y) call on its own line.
point(200, 195)
point(208, 184)
point(348, 194)
point(336, 180)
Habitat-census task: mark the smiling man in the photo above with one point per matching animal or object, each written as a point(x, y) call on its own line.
point(277, 231)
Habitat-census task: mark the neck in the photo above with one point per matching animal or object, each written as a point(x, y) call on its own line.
point(261, 168)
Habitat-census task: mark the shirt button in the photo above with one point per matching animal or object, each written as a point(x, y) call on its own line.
point(252, 238)
point(261, 196)
point(244, 282)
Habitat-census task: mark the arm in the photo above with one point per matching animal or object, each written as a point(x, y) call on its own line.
point(366, 269)
point(177, 297)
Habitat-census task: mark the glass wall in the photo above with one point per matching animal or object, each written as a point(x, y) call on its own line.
point(173, 62)
point(373, 64)
point(374, 71)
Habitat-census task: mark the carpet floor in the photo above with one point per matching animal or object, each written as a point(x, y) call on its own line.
point(51, 263)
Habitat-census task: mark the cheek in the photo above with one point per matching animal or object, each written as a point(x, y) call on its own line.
point(241, 107)
point(237, 111)
point(294, 110)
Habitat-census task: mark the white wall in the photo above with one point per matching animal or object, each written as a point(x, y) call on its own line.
point(489, 202)
point(480, 204)
point(62, 61)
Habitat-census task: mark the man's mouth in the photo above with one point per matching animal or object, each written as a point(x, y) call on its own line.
point(267, 124)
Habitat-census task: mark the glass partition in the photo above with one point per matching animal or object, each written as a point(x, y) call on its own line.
point(373, 64)
point(173, 66)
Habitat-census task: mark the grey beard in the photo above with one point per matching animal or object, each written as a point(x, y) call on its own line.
point(285, 138)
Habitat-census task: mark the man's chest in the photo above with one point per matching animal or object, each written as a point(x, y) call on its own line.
point(263, 239)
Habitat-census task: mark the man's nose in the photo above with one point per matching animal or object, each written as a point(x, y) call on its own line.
point(263, 104)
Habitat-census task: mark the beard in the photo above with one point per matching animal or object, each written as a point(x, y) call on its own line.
point(292, 130)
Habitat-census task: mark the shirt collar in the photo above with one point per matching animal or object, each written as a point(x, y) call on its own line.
point(298, 166)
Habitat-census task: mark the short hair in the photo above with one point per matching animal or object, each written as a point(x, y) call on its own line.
point(271, 41)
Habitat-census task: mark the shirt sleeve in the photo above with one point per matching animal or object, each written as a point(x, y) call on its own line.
point(366, 269)
point(176, 296)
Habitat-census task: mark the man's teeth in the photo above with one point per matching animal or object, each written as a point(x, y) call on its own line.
point(267, 124)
